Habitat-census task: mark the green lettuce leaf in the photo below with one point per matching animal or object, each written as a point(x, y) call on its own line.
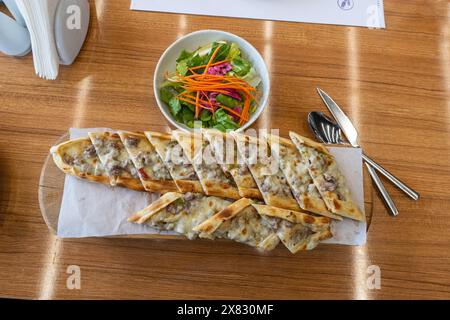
point(182, 67)
point(167, 92)
point(234, 52)
point(252, 78)
point(187, 115)
point(223, 52)
point(223, 121)
point(174, 105)
point(205, 115)
point(227, 101)
point(220, 127)
point(241, 67)
point(195, 60)
point(184, 55)
point(187, 104)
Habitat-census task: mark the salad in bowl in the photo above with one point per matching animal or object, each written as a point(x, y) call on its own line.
point(214, 86)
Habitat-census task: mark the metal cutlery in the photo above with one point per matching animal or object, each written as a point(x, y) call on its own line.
point(324, 128)
point(351, 134)
point(328, 131)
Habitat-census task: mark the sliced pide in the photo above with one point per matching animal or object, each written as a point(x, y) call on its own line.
point(299, 181)
point(265, 170)
point(78, 158)
point(116, 160)
point(151, 170)
point(143, 215)
point(175, 160)
point(295, 169)
point(225, 151)
point(180, 212)
point(213, 180)
point(297, 230)
point(239, 222)
point(327, 177)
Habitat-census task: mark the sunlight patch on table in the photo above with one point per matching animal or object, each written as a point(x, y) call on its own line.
point(353, 66)
point(359, 266)
point(84, 88)
point(50, 263)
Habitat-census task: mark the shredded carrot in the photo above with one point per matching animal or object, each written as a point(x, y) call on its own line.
point(201, 84)
point(211, 59)
point(218, 84)
point(234, 112)
point(211, 82)
point(211, 65)
point(199, 105)
point(184, 93)
point(209, 100)
point(231, 85)
point(210, 103)
point(216, 89)
point(245, 110)
point(207, 90)
point(189, 100)
point(197, 109)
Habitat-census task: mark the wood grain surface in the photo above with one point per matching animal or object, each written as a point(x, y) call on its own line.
point(393, 83)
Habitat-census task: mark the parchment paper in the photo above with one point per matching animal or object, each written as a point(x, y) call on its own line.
point(94, 210)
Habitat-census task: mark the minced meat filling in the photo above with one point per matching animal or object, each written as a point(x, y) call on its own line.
point(112, 152)
point(87, 162)
point(151, 162)
point(178, 164)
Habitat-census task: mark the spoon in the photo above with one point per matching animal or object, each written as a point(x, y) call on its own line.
point(327, 131)
point(324, 128)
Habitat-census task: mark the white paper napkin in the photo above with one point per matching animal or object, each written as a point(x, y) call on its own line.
point(40, 20)
point(94, 210)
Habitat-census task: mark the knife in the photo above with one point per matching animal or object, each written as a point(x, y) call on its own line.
point(352, 137)
point(344, 122)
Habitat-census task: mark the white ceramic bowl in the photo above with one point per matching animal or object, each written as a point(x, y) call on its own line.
point(191, 42)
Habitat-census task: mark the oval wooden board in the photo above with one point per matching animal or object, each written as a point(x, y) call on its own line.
point(51, 188)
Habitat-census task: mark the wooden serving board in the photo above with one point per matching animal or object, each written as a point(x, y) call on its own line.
point(51, 188)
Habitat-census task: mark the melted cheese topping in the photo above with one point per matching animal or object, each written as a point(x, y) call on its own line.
point(207, 167)
point(185, 214)
point(145, 158)
point(296, 172)
point(199, 153)
point(83, 157)
point(245, 227)
point(291, 234)
point(270, 184)
point(177, 162)
point(266, 172)
point(231, 161)
point(113, 155)
point(325, 172)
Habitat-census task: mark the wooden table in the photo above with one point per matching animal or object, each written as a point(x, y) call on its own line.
point(394, 84)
